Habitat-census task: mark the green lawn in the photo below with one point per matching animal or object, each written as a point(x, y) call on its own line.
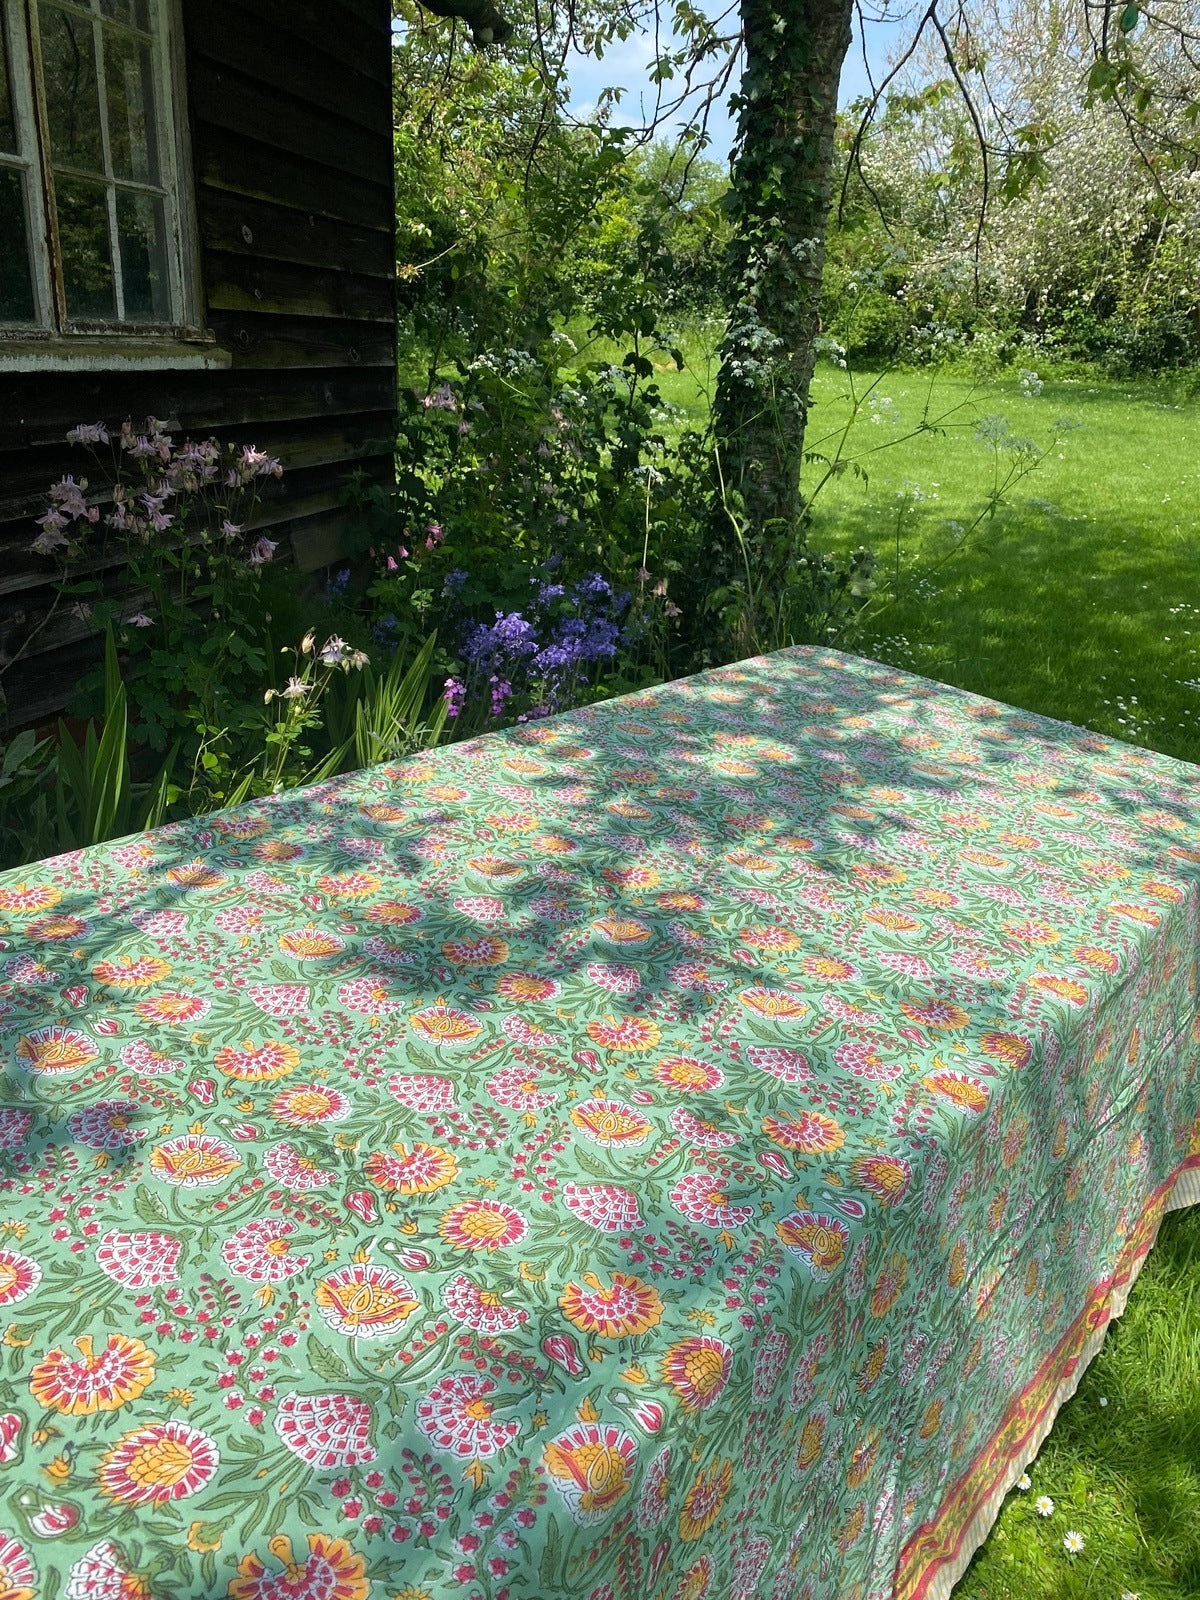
point(1080, 599)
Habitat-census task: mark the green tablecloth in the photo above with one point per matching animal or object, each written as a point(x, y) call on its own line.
point(682, 1149)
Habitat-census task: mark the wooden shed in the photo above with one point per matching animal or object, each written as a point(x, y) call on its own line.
point(196, 222)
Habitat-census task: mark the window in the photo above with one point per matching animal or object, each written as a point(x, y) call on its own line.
point(92, 230)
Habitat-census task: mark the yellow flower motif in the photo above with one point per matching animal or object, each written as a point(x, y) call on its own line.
point(183, 1397)
point(59, 1470)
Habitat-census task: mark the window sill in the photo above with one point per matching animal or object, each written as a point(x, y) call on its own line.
point(112, 353)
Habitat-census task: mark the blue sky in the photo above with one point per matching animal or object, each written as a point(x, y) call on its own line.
point(627, 65)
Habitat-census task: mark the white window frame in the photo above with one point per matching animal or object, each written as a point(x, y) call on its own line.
point(55, 339)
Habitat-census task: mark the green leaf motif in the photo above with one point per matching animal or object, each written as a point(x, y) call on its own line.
point(326, 1363)
point(148, 1206)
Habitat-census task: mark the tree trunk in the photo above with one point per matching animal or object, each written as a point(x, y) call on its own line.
point(780, 195)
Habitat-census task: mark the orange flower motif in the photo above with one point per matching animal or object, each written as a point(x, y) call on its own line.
point(687, 1075)
point(863, 1460)
point(942, 1014)
point(518, 986)
point(886, 1177)
point(809, 1132)
point(441, 1024)
point(610, 1122)
point(622, 1311)
point(630, 877)
point(393, 913)
point(48, 929)
point(310, 944)
point(482, 952)
point(482, 1225)
point(171, 1007)
point(827, 967)
point(1032, 932)
point(771, 939)
point(495, 867)
point(680, 900)
point(889, 1285)
point(1062, 988)
point(1104, 960)
point(1146, 915)
point(812, 1441)
point(194, 1160)
point(968, 1094)
point(196, 874)
point(364, 1301)
point(750, 861)
point(384, 811)
point(349, 885)
point(704, 1500)
point(131, 972)
point(257, 1063)
point(27, 899)
point(630, 1034)
point(276, 850)
point(419, 1171)
point(591, 1466)
point(772, 1003)
point(698, 1370)
point(892, 921)
point(622, 930)
point(161, 1462)
point(1011, 1048)
point(331, 1570)
point(57, 1049)
point(78, 1388)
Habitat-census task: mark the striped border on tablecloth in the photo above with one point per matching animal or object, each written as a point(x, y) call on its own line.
point(939, 1551)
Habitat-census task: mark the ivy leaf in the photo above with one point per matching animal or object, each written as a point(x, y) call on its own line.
point(326, 1363)
point(1130, 18)
point(148, 1205)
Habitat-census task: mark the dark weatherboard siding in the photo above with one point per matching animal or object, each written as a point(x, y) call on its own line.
point(289, 107)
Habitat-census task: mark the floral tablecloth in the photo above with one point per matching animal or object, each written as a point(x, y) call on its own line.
point(683, 1149)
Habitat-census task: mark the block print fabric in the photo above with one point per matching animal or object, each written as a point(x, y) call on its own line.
point(685, 1148)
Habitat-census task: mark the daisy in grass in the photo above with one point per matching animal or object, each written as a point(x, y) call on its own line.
point(1073, 1542)
point(1044, 1506)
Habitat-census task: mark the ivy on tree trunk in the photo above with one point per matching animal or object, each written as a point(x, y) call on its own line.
point(779, 200)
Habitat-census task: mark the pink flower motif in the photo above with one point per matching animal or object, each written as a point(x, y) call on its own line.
point(139, 1260)
point(142, 1058)
point(279, 999)
point(480, 907)
point(708, 1135)
point(517, 1087)
point(614, 976)
point(258, 1251)
point(11, 1424)
point(697, 977)
point(769, 1361)
point(860, 1057)
point(700, 1198)
point(457, 1415)
point(605, 1206)
point(369, 997)
point(14, 1127)
point(327, 1431)
point(422, 1091)
point(480, 1309)
point(295, 1172)
point(789, 1066)
point(385, 953)
point(105, 1125)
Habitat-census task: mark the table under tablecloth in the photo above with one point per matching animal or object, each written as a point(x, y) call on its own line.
point(686, 1148)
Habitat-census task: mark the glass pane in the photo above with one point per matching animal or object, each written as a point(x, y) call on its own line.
point(16, 287)
point(130, 85)
point(142, 232)
point(8, 120)
point(134, 12)
point(72, 91)
point(86, 256)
